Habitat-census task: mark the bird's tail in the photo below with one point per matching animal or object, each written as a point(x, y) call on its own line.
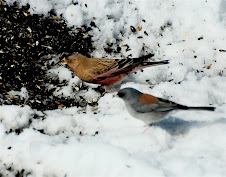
point(153, 63)
point(142, 58)
point(141, 62)
point(196, 108)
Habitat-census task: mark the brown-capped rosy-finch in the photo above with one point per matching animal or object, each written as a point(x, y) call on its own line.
point(107, 71)
point(151, 109)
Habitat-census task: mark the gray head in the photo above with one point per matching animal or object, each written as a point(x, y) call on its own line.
point(130, 95)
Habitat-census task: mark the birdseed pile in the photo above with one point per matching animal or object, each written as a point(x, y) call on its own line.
point(30, 45)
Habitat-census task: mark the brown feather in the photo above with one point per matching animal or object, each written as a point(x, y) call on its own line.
point(88, 69)
point(98, 66)
point(148, 99)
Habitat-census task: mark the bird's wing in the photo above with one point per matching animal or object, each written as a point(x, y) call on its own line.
point(126, 66)
point(104, 68)
point(144, 108)
point(166, 105)
point(123, 66)
point(99, 66)
point(162, 106)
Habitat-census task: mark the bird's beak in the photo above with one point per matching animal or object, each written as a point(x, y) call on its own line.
point(64, 61)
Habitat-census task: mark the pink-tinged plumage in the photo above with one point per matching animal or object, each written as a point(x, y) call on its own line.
point(107, 71)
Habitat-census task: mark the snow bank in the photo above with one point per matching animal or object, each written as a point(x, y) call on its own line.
point(191, 34)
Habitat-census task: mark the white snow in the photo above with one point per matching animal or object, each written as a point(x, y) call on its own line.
point(23, 93)
point(111, 142)
point(14, 117)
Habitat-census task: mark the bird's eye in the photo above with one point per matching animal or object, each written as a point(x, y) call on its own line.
point(120, 94)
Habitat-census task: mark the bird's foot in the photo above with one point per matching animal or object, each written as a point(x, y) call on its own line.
point(146, 129)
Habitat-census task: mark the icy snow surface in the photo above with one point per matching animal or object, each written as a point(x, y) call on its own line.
point(191, 34)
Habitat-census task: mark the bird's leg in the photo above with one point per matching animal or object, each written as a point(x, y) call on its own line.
point(148, 126)
point(107, 89)
point(112, 88)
